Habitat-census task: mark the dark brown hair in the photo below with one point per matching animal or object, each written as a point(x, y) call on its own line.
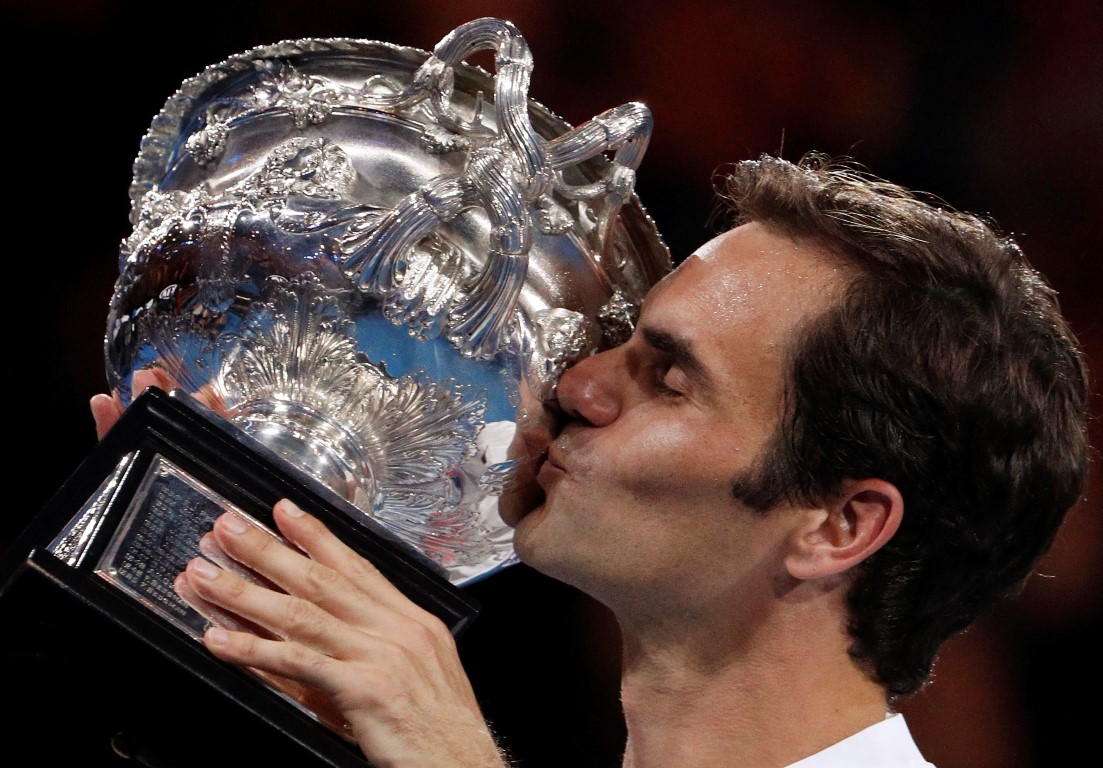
point(946, 369)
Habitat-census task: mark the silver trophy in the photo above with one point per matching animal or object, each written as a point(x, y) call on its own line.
point(360, 253)
point(351, 263)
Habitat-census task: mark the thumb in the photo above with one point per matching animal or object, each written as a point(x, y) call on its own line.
point(105, 412)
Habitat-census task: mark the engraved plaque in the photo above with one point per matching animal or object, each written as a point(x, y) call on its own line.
point(160, 533)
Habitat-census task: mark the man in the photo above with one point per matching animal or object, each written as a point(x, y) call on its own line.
point(840, 432)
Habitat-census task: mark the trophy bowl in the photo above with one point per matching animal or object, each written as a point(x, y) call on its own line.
point(366, 256)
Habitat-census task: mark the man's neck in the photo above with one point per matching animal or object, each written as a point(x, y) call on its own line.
point(696, 693)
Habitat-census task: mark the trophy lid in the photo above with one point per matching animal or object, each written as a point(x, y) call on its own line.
point(364, 254)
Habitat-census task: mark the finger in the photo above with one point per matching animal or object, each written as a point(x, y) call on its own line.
point(245, 547)
point(105, 413)
point(215, 615)
point(211, 549)
point(322, 607)
point(313, 537)
point(150, 377)
point(387, 670)
point(295, 668)
point(211, 396)
point(281, 615)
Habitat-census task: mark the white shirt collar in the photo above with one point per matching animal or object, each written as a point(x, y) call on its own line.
point(887, 744)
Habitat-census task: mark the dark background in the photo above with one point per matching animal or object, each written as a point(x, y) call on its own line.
point(996, 107)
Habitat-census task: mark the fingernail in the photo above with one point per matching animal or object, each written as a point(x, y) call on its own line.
point(233, 524)
point(204, 569)
point(291, 509)
point(217, 636)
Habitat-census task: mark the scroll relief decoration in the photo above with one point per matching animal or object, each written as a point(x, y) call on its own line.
point(397, 255)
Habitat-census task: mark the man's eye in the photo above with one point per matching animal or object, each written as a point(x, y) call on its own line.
point(666, 381)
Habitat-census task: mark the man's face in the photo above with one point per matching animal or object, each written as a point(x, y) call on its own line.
point(636, 508)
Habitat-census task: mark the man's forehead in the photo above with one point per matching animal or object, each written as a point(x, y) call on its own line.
point(709, 248)
point(706, 266)
point(691, 262)
point(702, 254)
point(761, 252)
point(748, 274)
point(707, 253)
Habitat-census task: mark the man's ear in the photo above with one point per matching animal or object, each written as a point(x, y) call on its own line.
point(850, 528)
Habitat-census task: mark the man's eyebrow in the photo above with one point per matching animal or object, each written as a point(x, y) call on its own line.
point(680, 350)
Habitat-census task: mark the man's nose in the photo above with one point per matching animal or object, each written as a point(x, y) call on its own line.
point(587, 391)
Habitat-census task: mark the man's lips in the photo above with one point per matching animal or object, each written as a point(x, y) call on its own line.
point(555, 459)
point(551, 463)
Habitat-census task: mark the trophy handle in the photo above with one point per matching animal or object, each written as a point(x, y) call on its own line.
point(510, 175)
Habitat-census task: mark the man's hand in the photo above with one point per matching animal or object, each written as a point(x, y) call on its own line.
point(333, 626)
point(106, 409)
point(322, 625)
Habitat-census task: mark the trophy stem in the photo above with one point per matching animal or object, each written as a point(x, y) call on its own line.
point(316, 444)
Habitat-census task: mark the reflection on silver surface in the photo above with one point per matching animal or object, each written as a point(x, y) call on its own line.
point(360, 253)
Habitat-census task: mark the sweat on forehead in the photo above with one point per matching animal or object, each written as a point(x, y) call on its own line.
point(798, 257)
point(751, 274)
